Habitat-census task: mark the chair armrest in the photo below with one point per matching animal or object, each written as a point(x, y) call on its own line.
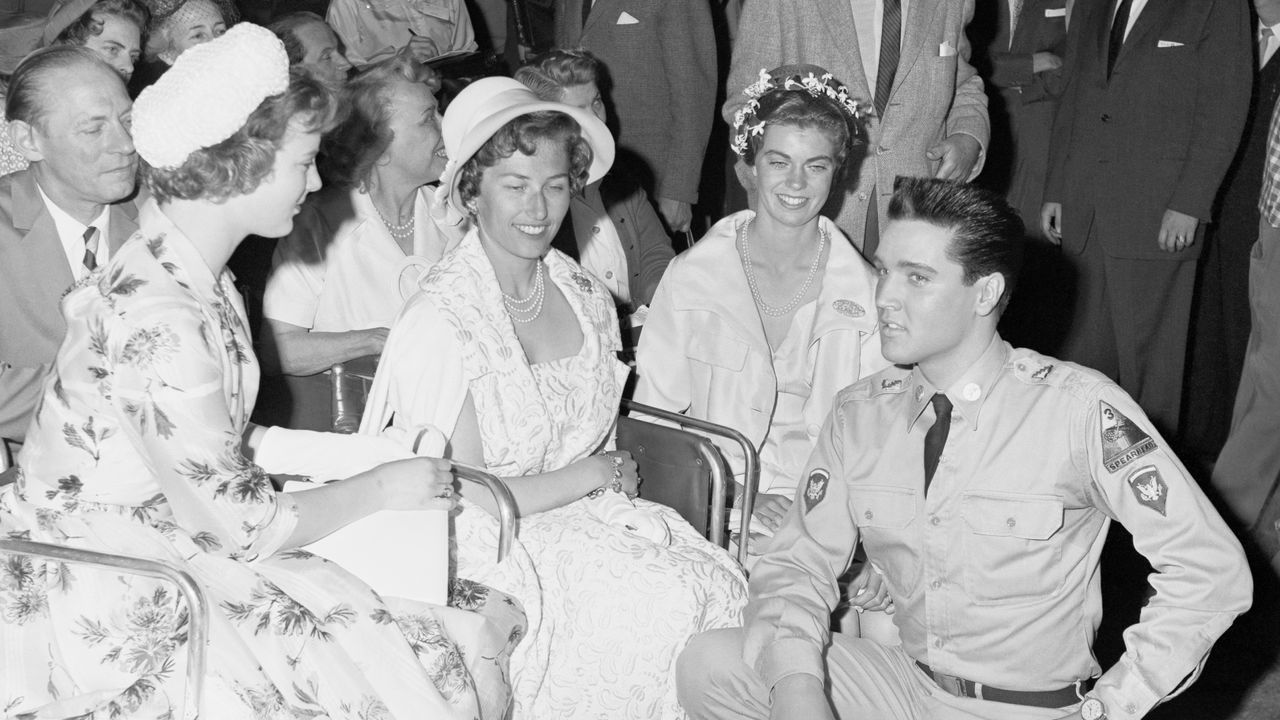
point(751, 478)
point(502, 496)
point(197, 605)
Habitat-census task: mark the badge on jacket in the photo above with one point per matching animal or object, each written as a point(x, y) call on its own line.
point(848, 308)
point(1122, 440)
point(816, 489)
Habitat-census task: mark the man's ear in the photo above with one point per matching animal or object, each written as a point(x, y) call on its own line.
point(23, 136)
point(990, 290)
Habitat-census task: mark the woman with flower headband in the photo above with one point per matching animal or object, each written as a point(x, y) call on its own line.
point(760, 323)
point(141, 446)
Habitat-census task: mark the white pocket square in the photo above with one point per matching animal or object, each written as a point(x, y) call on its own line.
point(946, 49)
point(1168, 43)
point(627, 18)
point(1055, 12)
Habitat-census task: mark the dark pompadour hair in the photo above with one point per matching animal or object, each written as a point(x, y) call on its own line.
point(986, 233)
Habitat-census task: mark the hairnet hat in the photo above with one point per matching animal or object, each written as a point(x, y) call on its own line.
point(208, 94)
point(484, 106)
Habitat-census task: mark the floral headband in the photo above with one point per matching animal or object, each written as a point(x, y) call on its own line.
point(745, 123)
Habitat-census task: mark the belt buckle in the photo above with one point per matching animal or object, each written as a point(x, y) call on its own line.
point(950, 683)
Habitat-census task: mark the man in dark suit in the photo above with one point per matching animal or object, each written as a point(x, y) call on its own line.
point(1149, 121)
point(661, 58)
point(62, 216)
point(1220, 324)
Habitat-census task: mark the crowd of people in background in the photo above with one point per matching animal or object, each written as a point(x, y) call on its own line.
point(970, 278)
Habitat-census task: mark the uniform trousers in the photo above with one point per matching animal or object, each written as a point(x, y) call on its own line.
point(865, 680)
point(1130, 323)
point(1250, 461)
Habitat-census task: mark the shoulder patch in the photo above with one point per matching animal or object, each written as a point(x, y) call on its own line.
point(815, 489)
point(1149, 488)
point(1122, 440)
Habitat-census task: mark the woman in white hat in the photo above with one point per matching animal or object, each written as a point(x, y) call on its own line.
point(509, 349)
point(141, 447)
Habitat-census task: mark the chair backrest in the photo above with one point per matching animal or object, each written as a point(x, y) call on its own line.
point(686, 490)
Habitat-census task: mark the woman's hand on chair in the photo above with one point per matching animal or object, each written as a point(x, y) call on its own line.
point(628, 473)
point(869, 591)
point(419, 483)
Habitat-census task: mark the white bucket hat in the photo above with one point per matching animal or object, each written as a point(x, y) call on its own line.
point(484, 106)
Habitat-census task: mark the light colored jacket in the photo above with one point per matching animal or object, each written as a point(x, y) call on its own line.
point(703, 350)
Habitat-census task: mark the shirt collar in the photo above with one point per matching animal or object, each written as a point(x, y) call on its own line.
point(71, 231)
point(967, 394)
point(154, 224)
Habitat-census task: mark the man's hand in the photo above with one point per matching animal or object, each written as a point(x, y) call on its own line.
point(1051, 222)
point(958, 153)
point(422, 48)
point(1044, 62)
point(869, 591)
point(800, 697)
point(1177, 231)
point(676, 214)
point(770, 509)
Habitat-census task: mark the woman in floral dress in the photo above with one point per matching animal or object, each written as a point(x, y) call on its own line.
point(139, 448)
point(509, 349)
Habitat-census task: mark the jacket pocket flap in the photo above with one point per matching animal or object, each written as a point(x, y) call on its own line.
point(719, 350)
point(888, 507)
point(1032, 517)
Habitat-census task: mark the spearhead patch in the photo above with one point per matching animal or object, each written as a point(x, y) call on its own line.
point(816, 489)
point(1122, 440)
point(1149, 488)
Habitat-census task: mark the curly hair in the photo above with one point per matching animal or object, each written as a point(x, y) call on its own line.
point(237, 165)
point(550, 73)
point(799, 108)
point(350, 152)
point(90, 23)
point(525, 134)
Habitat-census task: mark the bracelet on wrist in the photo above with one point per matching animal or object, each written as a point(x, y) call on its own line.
point(615, 481)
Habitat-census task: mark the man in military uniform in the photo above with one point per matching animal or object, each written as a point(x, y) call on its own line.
point(982, 480)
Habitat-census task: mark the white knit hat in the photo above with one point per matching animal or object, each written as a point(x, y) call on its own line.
point(208, 94)
point(484, 106)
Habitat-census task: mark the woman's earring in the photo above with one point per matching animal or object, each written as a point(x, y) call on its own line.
point(471, 206)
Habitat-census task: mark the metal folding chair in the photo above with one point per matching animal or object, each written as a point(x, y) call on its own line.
point(197, 605)
point(685, 471)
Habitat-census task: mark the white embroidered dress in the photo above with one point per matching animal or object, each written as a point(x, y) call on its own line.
point(609, 611)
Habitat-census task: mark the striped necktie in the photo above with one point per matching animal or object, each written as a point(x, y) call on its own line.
point(91, 236)
point(890, 45)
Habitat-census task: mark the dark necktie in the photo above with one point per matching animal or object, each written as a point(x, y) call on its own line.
point(936, 438)
point(91, 248)
point(1116, 41)
point(586, 11)
point(890, 43)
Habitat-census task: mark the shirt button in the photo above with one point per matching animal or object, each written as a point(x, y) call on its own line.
point(935, 520)
point(868, 514)
point(608, 274)
point(936, 584)
point(1010, 522)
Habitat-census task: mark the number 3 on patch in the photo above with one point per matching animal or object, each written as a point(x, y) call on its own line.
point(816, 489)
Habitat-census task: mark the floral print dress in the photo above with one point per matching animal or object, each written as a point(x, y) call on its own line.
point(609, 611)
point(135, 450)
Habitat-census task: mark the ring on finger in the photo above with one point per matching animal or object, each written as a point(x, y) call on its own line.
point(446, 493)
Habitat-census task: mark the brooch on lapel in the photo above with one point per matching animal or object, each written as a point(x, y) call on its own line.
point(584, 282)
point(848, 308)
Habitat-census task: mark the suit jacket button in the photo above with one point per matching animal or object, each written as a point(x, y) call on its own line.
point(1105, 117)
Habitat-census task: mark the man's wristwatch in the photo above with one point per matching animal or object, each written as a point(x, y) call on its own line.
point(1093, 709)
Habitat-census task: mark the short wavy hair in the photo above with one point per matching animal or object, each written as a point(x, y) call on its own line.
point(549, 74)
point(90, 24)
point(159, 40)
point(31, 84)
point(350, 152)
point(799, 108)
point(524, 134)
point(237, 165)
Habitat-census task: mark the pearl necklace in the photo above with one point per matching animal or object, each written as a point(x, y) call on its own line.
point(526, 310)
point(399, 232)
point(792, 304)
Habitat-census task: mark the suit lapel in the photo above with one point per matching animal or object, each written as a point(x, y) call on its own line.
point(603, 12)
point(40, 246)
point(1152, 17)
point(921, 15)
point(837, 16)
point(124, 223)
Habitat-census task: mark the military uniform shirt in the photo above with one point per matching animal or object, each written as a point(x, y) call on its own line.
point(995, 573)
